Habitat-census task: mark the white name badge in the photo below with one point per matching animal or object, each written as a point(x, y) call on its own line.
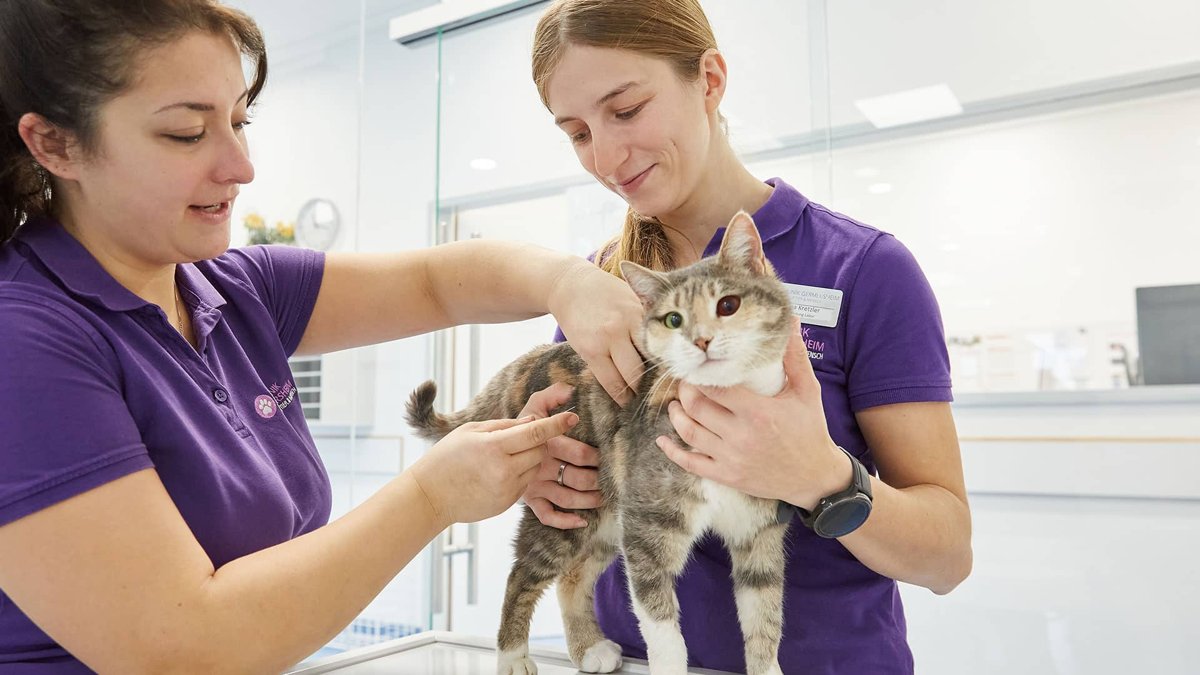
point(815, 306)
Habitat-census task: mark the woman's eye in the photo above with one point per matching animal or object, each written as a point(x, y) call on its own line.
point(629, 114)
point(673, 320)
point(727, 305)
point(580, 137)
point(187, 140)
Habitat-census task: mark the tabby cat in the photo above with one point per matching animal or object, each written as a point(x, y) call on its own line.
point(722, 321)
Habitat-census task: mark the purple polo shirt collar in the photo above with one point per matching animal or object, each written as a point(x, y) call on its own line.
point(782, 212)
point(82, 276)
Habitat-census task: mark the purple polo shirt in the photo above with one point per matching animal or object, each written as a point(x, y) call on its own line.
point(887, 347)
point(96, 384)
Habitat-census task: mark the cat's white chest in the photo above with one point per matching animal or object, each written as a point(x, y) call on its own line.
point(735, 516)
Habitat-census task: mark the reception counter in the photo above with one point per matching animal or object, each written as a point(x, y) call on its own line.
point(437, 653)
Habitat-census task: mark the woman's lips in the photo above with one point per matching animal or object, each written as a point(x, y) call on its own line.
point(630, 186)
point(214, 213)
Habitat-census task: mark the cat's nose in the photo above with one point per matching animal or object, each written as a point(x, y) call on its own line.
point(702, 343)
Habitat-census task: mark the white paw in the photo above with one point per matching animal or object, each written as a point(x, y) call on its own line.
point(773, 670)
point(515, 663)
point(602, 657)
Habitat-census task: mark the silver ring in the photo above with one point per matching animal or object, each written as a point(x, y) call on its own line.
point(562, 469)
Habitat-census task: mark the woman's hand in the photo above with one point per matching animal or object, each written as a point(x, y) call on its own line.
point(479, 469)
point(601, 317)
point(579, 488)
point(775, 447)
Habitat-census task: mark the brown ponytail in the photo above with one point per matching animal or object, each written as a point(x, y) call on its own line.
point(642, 240)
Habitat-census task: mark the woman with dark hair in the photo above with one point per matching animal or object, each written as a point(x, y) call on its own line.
point(162, 503)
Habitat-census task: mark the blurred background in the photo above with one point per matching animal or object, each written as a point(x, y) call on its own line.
point(1041, 158)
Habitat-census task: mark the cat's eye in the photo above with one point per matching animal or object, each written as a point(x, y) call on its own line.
point(673, 320)
point(727, 305)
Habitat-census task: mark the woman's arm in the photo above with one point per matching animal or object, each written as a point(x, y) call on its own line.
point(919, 530)
point(371, 298)
point(117, 578)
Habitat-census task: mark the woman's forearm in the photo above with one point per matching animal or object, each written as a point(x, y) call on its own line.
point(493, 281)
point(919, 535)
point(266, 611)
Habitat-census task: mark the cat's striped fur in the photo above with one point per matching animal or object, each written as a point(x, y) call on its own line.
point(653, 510)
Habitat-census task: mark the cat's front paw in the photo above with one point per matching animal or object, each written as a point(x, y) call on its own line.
point(602, 657)
point(515, 663)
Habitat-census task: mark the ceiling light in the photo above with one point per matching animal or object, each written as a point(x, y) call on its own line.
point(444, 17)
point(483, 164)
point(913, 105)
point(879, 188)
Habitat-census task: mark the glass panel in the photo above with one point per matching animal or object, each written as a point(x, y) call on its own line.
point(1039, 207)
point(348, 116)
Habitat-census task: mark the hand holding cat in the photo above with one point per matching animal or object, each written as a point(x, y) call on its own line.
point(772, 447)
point(579, 488)
point(601, 316)
point(479, 469)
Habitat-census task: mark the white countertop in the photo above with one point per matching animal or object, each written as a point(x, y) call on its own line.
point(441, 653)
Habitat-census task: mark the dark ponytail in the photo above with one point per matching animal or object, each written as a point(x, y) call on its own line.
point(24, 188)
point(64, 59)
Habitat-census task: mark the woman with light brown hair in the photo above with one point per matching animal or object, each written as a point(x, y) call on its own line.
point(637, 87)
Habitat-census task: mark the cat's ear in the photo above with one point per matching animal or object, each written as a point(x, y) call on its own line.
point(647, 284)
point(742, 247)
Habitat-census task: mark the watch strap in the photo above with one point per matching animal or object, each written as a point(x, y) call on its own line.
point(860, 483)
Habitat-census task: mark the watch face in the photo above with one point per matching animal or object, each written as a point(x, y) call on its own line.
point(844, 517)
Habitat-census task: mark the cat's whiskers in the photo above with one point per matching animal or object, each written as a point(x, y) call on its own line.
point(649, 369)
point(671, 375)
point(654, 389)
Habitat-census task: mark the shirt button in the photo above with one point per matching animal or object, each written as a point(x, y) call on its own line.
point(220, 395)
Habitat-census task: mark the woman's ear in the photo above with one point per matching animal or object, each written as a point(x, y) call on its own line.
point(55, 149)
point(714, 74)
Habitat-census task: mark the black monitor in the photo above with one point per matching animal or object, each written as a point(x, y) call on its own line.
point(1168, 322)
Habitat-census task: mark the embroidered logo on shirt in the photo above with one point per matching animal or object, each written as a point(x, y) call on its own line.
point(284, 395)
point(816, 348)
point(265, 407)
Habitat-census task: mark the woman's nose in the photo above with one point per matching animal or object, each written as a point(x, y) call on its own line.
point(234, 162)
point(608, 156)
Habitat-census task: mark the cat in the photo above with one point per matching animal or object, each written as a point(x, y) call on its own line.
point(722, 321)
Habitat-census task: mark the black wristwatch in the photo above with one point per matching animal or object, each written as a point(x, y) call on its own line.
point(840, 513)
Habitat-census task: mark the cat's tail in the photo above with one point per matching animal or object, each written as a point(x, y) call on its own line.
point(429, 423)
point(503, 397)
point(433, 425)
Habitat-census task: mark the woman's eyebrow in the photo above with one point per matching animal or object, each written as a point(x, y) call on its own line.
point(617, 91)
